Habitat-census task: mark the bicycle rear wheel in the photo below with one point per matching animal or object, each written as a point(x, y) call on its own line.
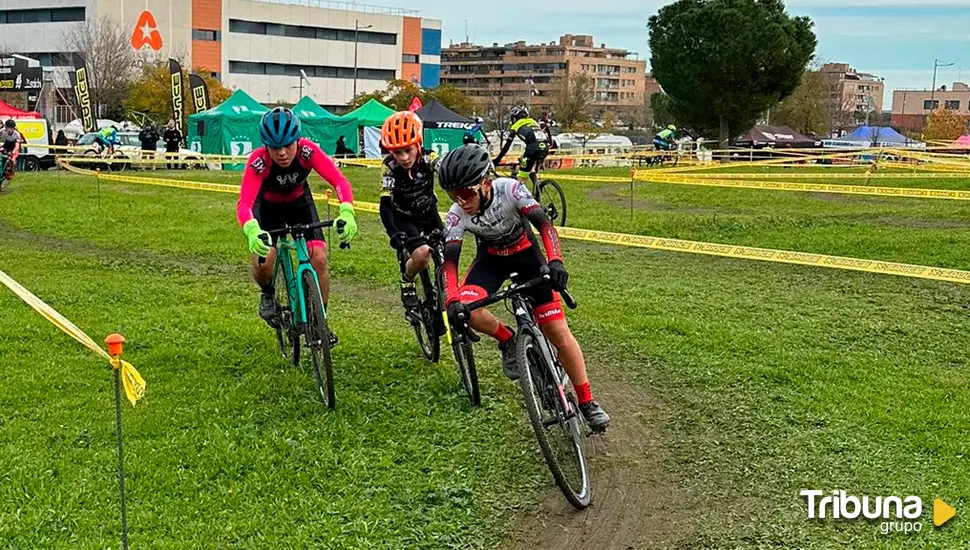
point(287, 334)
point(553, 415)
point(553, 201)
point(317, 335)
point(425, 330)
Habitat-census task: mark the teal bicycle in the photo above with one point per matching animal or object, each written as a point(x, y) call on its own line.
point(300, 310)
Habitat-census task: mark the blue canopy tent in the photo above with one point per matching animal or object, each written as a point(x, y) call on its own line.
point(878, 136)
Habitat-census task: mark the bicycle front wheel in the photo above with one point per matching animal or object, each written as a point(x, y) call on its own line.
point(317, 335)
point(466, 369)
point(425, 330)
point(553, 415)
point(287, 334)
point(553, 201)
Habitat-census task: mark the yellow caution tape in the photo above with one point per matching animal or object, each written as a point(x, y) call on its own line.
point(599, 179)
point(674, 245)
point(767, 254)
point(818, 188)
point(134, 384)
point(645, 174)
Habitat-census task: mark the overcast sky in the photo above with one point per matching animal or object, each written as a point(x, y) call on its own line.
point(895, 39)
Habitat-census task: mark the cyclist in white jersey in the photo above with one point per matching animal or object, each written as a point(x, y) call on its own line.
point(499, 213)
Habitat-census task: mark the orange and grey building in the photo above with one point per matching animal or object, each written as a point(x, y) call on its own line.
point(261, 46)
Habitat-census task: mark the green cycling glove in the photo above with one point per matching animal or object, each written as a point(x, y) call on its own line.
point(347, 216)
point(254, 234)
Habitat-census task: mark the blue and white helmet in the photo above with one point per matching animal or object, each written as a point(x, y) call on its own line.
point(279, 128)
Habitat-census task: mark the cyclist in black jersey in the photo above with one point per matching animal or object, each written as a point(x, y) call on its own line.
point(409, 207)
point(10, 140)
point(536, 141)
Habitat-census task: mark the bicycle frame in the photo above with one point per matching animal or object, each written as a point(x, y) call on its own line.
point(285, 248)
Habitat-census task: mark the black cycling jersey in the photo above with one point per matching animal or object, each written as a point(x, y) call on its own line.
point(411, 191)
point(531, 133)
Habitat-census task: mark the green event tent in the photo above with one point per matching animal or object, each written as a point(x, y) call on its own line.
point(371, 114)
point(324, 127)
point(230, 128)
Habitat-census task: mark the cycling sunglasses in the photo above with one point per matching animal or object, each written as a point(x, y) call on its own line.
point(465, 194)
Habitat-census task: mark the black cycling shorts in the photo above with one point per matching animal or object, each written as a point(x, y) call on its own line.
point(534, 157)
point(274, 215)
point(415, 226)
point(488, 272)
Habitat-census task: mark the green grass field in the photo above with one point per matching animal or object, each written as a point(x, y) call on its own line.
point(733, 384)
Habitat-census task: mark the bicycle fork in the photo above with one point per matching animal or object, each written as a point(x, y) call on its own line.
point(554, 371)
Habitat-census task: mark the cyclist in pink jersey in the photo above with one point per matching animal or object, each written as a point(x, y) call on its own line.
point(275, 192)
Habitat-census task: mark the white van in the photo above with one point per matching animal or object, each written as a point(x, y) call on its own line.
point(35, 153)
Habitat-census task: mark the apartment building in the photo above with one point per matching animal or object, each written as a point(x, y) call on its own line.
point(852, 91)
point(533, 74)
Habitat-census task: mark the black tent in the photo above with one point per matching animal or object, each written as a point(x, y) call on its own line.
point(436, 116)
point(763, 135)
point(443, 128)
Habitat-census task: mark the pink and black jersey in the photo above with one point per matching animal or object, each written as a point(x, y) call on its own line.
point(265, 180)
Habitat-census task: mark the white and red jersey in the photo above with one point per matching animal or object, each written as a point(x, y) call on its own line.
point(501, 228)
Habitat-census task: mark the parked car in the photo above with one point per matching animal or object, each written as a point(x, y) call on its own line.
point(130, 147)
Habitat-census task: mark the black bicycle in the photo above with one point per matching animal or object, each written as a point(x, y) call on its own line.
point(549, 400)
point(547, 192)
point(299, 305)
point(427, 320)
point(4, 160)
point(663, 157)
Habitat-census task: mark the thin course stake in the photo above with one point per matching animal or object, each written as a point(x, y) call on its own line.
point(115, 343)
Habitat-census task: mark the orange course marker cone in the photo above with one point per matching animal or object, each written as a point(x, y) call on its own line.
point(116, 344)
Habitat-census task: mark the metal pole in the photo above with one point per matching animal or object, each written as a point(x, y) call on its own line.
point(121, 461)
point(936, 63)
point(356, 31)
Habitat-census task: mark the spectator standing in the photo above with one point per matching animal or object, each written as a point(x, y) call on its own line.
point(173, 139)
point(149, 143)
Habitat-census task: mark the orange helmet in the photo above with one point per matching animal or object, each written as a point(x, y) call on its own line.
point(402, 129)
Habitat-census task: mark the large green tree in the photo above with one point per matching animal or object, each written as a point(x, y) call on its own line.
point(725, 62)
point(660, 108)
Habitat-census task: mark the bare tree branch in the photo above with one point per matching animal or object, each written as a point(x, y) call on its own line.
point(109, 58)
point(572, 101)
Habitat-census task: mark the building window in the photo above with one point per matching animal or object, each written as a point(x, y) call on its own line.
point(931, 104)
point(280, 69)
point(299, 31)
point(54, 59)
point(206, 35)
point(248, 27)
point(44, 15)
point(247, 67)
point(952, 105)
point(409, 58)
point(319, 33)
point(64, 15)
